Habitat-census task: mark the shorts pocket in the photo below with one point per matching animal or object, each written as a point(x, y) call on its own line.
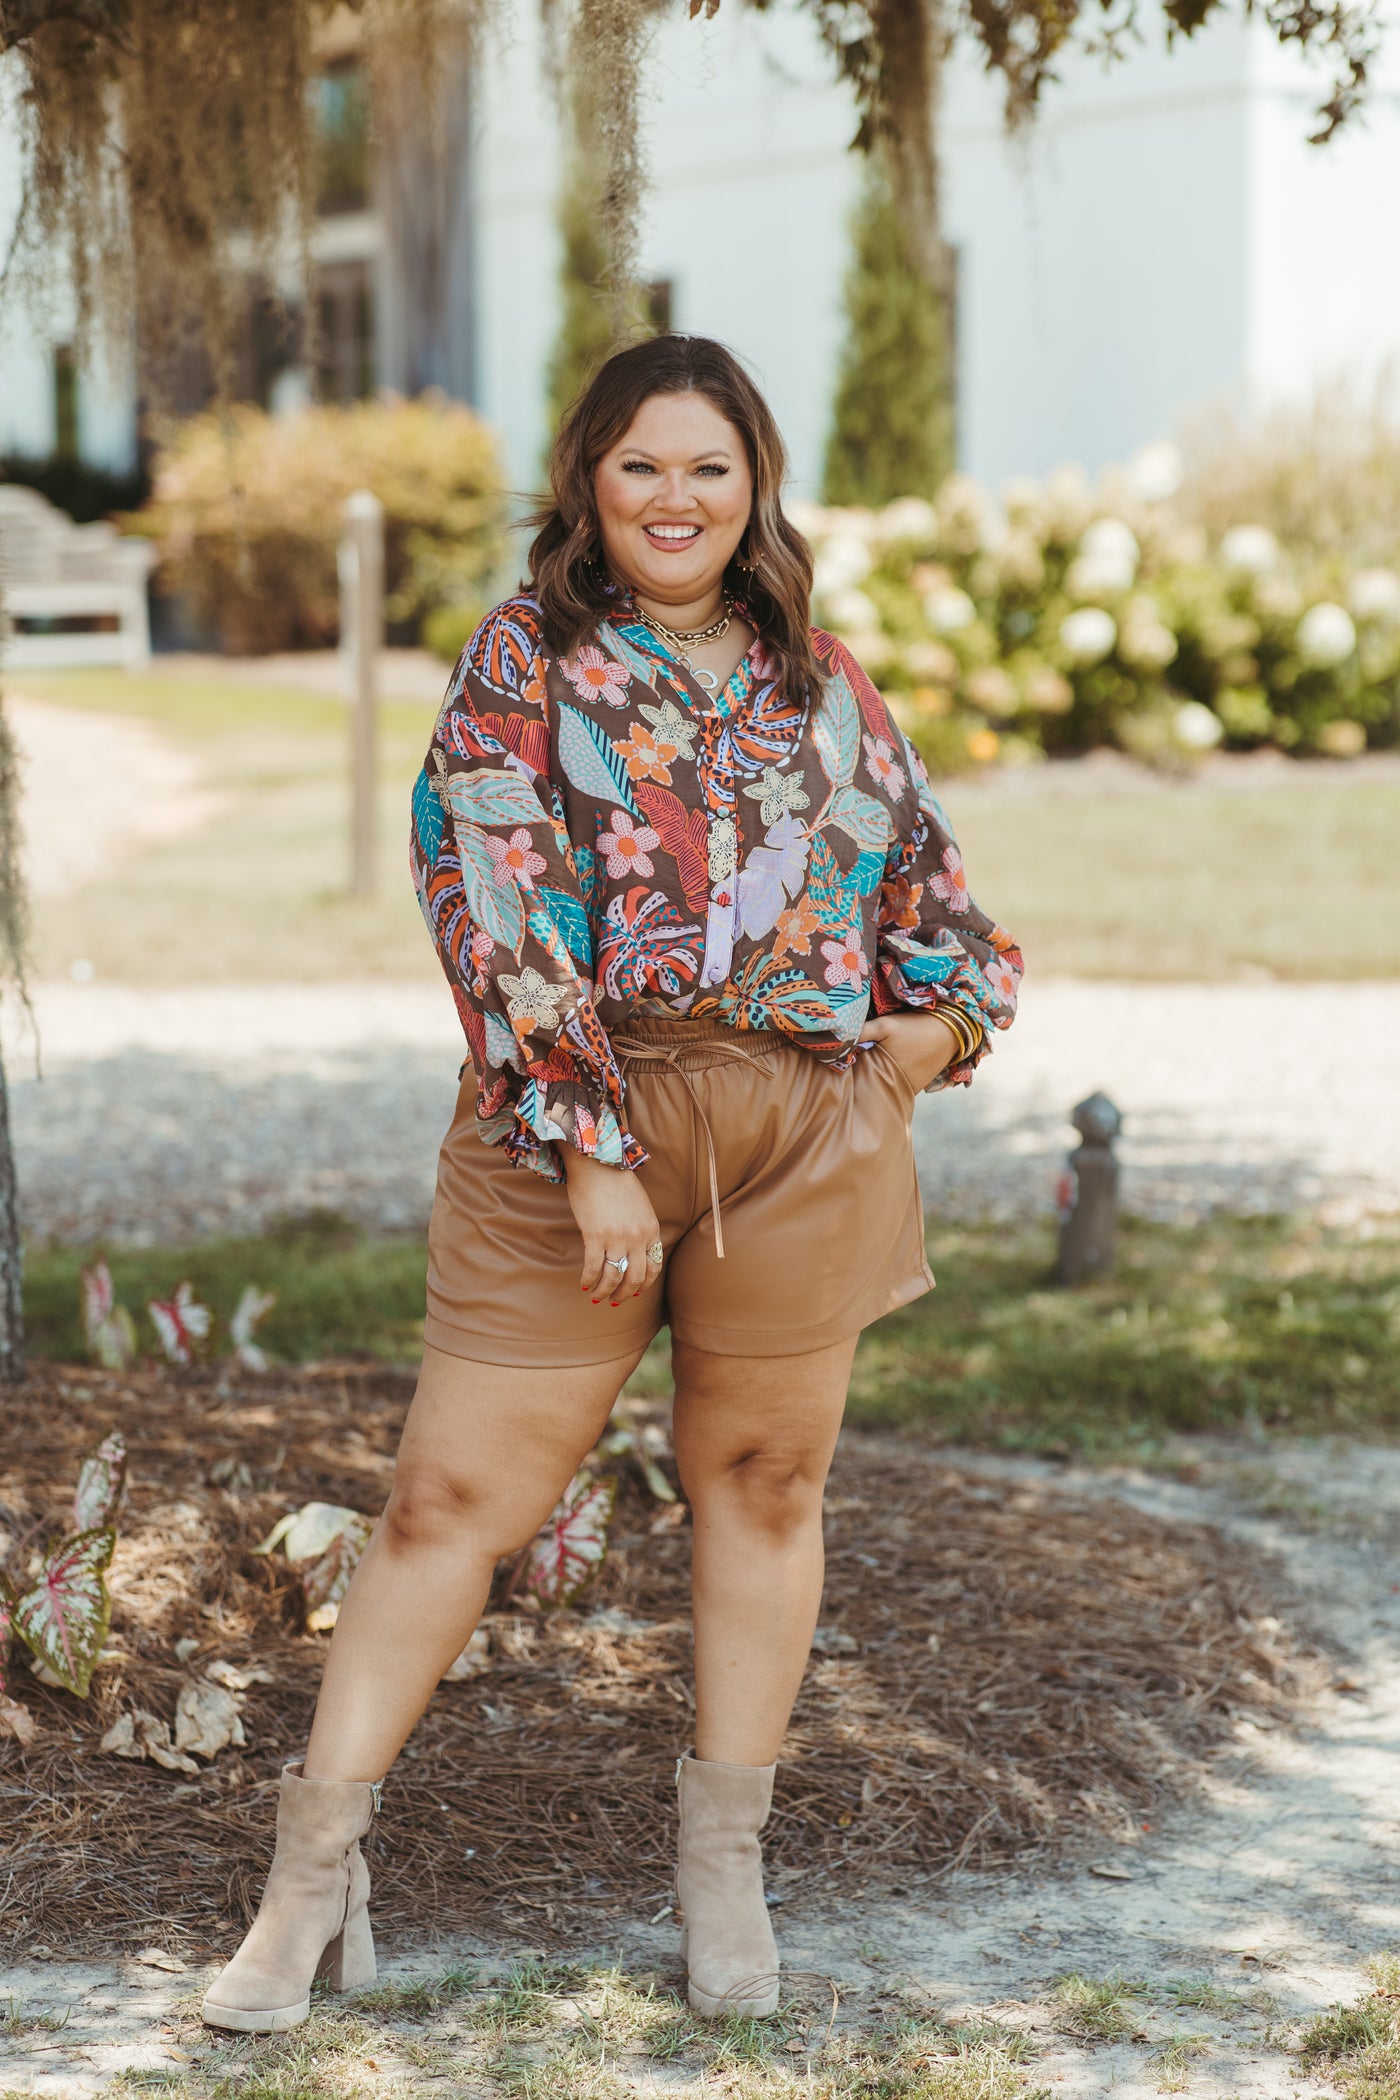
point(901, 1077)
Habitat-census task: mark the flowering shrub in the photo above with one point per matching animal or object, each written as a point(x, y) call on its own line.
point(247, 514)
point(1075, 616)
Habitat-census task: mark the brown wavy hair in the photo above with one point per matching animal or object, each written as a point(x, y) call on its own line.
point(772, 566)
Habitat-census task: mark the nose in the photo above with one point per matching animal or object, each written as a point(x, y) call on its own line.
point(675, 492)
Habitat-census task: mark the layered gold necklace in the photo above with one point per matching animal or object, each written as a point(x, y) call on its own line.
point(683, 643)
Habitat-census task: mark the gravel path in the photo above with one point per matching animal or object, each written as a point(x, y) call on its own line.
point(165, 1115)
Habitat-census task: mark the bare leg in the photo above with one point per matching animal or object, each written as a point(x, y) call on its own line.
point(486, 1452)
point(754, 1441)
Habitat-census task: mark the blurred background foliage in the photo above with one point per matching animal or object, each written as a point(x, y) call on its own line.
point(246, 512)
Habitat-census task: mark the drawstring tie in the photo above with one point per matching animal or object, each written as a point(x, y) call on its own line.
point(629, 1049)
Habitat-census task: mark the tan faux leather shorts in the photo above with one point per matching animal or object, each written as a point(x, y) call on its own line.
point(821, 1222)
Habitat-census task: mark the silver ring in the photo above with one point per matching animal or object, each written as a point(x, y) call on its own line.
point(616, 1261)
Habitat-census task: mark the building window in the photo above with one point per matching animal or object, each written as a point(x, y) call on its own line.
point(657, 300)
point(65, 402)
point(342, 114)
point(345, 332)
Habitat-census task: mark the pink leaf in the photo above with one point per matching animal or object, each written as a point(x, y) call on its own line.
point(182, 1324)
point(101, 1478)
point(98, 1297)
point(569, 1550)
point(64, 1617)
point(325, 1582)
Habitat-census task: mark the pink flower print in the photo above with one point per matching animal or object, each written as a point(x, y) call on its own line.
point(594, 676)
point(482, 950)
point(1002, 979)
point(952, 886)
point(845, 962)
point(516, 860)
point(627, 845)
point(880, 759)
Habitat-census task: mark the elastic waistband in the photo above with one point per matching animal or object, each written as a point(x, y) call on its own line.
point(707, 1041)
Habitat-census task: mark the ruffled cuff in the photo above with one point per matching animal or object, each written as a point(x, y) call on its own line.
point(558, 1102)
point(922, 980)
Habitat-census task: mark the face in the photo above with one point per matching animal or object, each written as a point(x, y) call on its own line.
point(673, 499)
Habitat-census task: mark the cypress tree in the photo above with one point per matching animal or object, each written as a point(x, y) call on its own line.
point(892, 418)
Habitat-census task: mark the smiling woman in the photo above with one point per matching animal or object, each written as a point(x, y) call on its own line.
point(708, 932)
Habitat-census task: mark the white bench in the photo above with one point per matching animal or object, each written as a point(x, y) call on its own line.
point(57, 577)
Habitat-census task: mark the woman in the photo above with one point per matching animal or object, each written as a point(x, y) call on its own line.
point(709, 937)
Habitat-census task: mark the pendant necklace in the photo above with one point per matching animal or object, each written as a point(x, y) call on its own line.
point(684, 643)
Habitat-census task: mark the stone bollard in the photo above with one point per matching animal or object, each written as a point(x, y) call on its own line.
point(1089, 1213)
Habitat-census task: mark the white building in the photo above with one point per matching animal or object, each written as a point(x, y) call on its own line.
point(1164, 240)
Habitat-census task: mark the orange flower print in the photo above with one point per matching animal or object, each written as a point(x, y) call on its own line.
point(793, 933)
point(845, 961)
point(627, 847)
point(594, 676)
point(899, 903)
point(648, 757)
point(516, 860)
point(880, 758)
point(951, 886)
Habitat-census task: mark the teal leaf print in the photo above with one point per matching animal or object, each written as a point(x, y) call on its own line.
point(868, 873)
point(589, 878)
point(836, 731)
point(590, 759)
point(428, 819)
point(494, 906)
point(492, 796)
point(502, 1043)
point(570, 921)
point(861, 817)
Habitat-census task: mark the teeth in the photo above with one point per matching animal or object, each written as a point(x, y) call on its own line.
point(674, 532)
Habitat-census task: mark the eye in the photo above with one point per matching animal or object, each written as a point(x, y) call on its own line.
point(713, 466)
point(637, 466)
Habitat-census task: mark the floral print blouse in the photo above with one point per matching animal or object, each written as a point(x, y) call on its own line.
point(597, 837)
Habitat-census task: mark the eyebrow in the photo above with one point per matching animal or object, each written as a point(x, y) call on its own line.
point(695, 460)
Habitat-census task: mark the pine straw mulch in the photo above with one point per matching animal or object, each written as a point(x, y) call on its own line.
point(999, 1674)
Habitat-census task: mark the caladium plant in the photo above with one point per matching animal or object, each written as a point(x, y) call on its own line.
point(108, 1327)
point(323, 1541)
point(644, 1447)
point(569, 1550)
point(64, 1616)
point(101, 1478)
point(252, 1309)
point(181, 1323)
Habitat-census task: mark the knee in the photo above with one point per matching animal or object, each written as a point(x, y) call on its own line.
point(427, 1510)
point(774, 1493)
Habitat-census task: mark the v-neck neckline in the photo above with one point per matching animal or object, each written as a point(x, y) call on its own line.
point(712, 703)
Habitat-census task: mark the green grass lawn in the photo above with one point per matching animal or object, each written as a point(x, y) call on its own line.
point(259, 893)
point(1186, 881)
point(1191, 881)
point(1220, 1326)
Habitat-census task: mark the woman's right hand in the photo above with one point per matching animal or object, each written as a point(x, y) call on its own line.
point(615, 1217)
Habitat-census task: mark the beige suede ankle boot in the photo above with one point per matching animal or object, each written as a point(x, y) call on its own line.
point(727, 1942)
point(314, 1916)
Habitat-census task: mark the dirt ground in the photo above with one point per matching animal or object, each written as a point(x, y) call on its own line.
point(1265, 1894)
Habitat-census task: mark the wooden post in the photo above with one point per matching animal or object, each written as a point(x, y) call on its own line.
point(1089, 1219)
point(361, 565)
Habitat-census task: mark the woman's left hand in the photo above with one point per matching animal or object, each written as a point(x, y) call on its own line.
point(920, 1043)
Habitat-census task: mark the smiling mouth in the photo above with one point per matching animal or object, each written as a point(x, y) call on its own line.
point(672, 537)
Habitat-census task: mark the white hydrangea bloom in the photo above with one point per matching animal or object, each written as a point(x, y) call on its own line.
point(1196, 728)
point(1087, 636)
point(843, 560)
point(1250, 547)
point(910, 518)
point(949, 609)
point(1155, 471)
point(851, 612)
point(1374, 594)
point(1326, 635)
